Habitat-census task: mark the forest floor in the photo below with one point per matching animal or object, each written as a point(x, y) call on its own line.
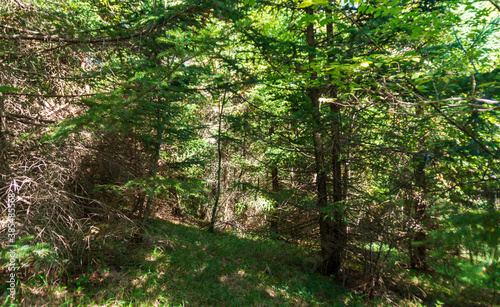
point(180, 264)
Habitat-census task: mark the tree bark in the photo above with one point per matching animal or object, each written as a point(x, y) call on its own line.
point(219, 166)
point(330, 224)
point(339, 182)
point(274, 218)
point(153, 171)
point(418, 250)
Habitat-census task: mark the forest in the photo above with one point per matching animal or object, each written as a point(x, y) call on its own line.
point(250, 153)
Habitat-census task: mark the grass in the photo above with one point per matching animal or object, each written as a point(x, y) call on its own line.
point(182, 265)
point(457, 283)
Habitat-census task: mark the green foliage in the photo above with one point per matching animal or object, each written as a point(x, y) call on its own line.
point(408, 110)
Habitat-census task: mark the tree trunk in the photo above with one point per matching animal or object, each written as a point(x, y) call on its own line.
point(338, 193)
point(418, 250)
point(274, 217)
point(330, 225)
point(219, 166)
point(339, 183)
point(153, 171)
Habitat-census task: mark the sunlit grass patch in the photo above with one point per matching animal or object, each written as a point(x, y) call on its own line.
point(182, 265)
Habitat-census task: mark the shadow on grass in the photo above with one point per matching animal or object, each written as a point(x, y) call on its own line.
point(183, 265)
point(179, 265)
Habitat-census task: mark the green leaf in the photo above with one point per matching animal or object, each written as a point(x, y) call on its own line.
point(307, 3)
point(9, 89)
point(487, 84)
point(304, 4)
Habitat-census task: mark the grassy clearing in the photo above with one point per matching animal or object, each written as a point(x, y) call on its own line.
point(182, 265)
